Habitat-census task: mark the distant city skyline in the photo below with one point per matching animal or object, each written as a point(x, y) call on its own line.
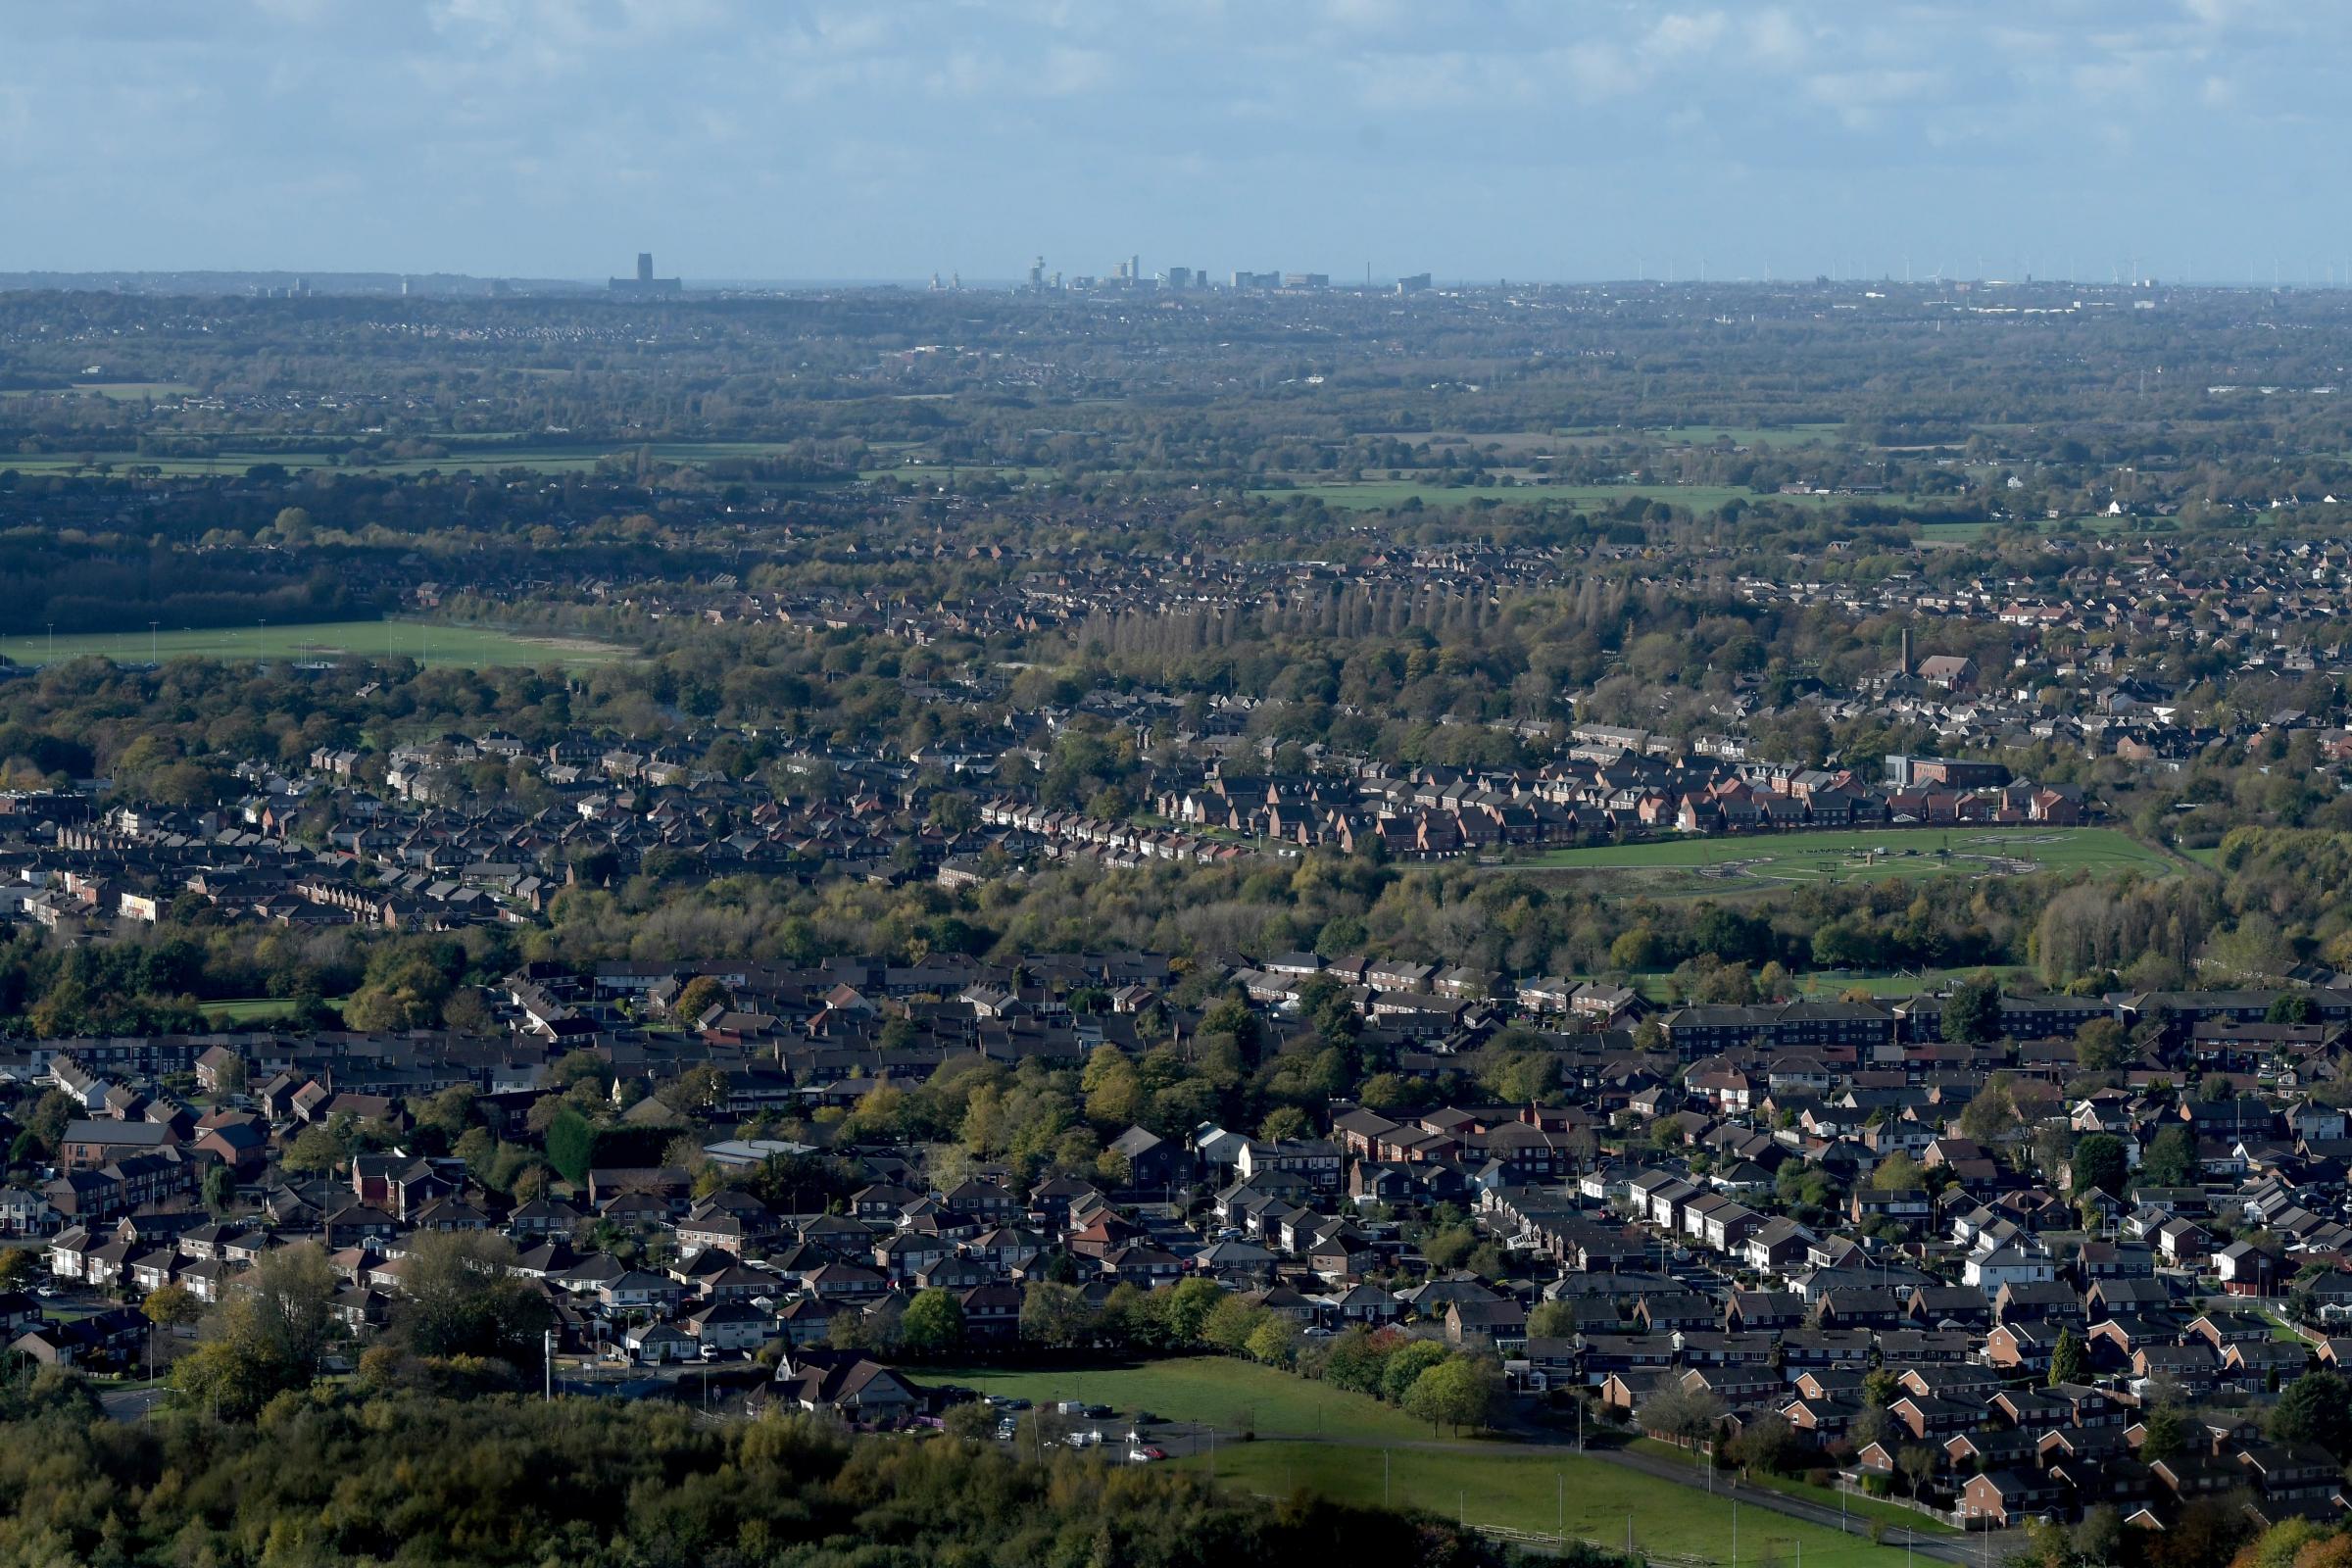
point(892, 139)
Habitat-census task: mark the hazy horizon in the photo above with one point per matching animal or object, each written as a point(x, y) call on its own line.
point(885, 141)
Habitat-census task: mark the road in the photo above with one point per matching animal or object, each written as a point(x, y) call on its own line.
point(131, 1405)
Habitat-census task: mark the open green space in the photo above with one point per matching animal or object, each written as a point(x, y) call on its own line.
point(1745, 435)
point(1871, 855)
point(1968, 533)
point(1231, 1395)
point(1372, 494)
point(957, 473)
point(257, 1009)
point(1831, 984)
point(1539, 1493)
point(467, 646)
point(1894, 1515)
point(113, 391)
point(479, 455)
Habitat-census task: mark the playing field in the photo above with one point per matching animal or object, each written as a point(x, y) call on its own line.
point(467, 647)
point(1871, 855)
point(1539, 1493)
point(1232, 1396)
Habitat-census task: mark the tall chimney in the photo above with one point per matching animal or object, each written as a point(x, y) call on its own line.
point(1906, 669)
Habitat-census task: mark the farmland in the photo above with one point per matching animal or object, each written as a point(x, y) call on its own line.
point(463, 647)
point(1866, 855)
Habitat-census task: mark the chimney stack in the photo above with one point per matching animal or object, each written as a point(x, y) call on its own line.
point(1906, 669)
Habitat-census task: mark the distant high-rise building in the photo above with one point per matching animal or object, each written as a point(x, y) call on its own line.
point(1180, 277)
point(645, 283)
point(1037, 273)
point(1412, 283)
point(1242, 279)
point(1306, 280)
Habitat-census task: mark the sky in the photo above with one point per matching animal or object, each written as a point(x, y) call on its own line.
point(1475, 139)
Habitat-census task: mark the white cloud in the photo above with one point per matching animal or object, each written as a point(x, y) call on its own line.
point(1068, 73)
point(1776, 38)
point(1686, 33)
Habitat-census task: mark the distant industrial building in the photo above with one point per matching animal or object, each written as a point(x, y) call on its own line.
point(1417, 283)
point(645, 283)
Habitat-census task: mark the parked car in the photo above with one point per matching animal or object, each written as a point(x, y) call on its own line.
point(1145, 1455)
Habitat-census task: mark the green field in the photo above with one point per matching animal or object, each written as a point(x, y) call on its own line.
point(1701, 435)
point(1871, 855)
point(476, 455)
point(464, 647)
point(1231, 1395)
point(1829, 984)
point(1894, 1515)
point(112, 391)
point(256, 1009)
point(1969, 533)
point(1537, 1492)
point(1371, 494)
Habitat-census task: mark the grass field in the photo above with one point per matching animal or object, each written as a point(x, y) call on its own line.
point(1894, 1515)
point(1746, 436)
point(1969, 533)
point(467, 647)
point(1657, 984)
point(113, 391)
point(1371, 494)
point(1585, 1497)
point(257, 1009)
point(476, 455)
point(1231, 1395)
point(1871, 855)
point(1831, 984)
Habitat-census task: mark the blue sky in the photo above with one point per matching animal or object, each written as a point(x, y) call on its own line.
point(889, 138)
